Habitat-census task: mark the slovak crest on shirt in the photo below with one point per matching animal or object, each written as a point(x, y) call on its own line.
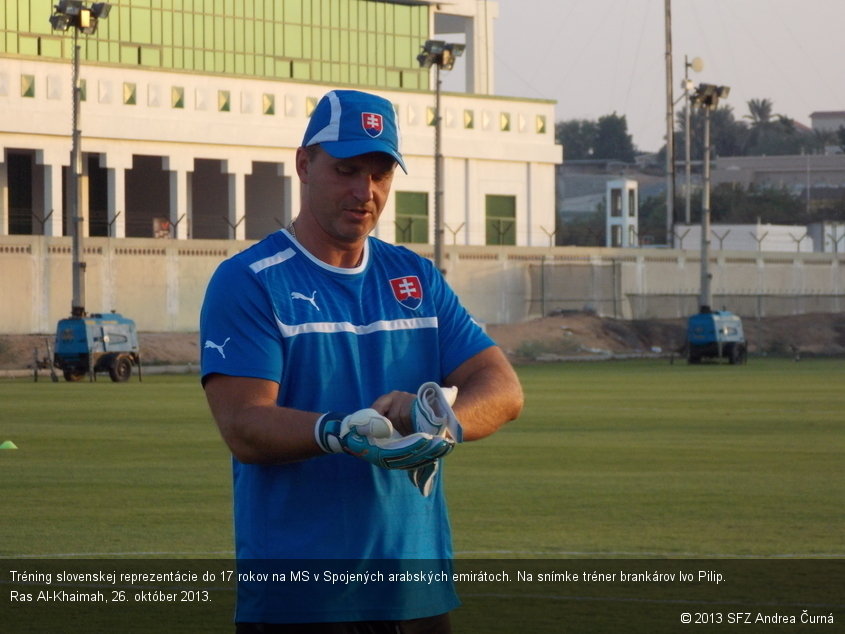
point(407, 290)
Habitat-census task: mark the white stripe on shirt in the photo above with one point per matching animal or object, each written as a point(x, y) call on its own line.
point(272, 260)
point(334, 327)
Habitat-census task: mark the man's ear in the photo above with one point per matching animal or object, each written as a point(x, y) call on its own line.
point(303, 161)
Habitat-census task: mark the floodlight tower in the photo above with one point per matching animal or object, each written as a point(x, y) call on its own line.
point(82, 19)
point(442, 56)
point(707, 98)
point(697, 65)
point(713, 334)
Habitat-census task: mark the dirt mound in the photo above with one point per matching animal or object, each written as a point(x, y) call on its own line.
point(574, 335)
point(563, 336)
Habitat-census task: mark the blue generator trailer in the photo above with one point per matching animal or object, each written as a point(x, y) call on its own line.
point(96, 343)
point(716, 335)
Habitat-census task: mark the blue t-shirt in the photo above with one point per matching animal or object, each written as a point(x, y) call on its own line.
point(335, 340)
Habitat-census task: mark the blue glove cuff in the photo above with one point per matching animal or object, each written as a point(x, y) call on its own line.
point(327, 432)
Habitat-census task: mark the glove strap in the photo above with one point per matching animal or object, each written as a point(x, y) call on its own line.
point(327, 432)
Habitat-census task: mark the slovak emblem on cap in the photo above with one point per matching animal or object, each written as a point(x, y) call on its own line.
point(407, 291)
point(372, 123)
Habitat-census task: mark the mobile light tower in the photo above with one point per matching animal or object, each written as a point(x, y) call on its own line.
point(697, 65)
point(73, 14)
point(99, 343)
point(441, 55)
point(707, 98)
point(715, 334)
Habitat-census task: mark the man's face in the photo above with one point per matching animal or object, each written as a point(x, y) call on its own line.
point(345, 196)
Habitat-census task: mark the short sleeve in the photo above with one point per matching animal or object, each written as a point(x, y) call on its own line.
point(460, 335)
point(238, 330)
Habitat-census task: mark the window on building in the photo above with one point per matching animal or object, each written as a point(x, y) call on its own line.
point(615, 202)
point(500, 212)
point(430, 116)
point(412, 217)
point(505, 122)
point(27, 85)
point(268, 104)
point(351, 42)
point(616, 236)
point(224, 101)
point(130, 94)
point(177, 97)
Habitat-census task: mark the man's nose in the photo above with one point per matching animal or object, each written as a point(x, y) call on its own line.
point(363, 188)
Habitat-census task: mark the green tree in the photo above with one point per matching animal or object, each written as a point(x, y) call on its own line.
point(727, 135)
point(760, 112)
point(613, 140)
point(773, 134)
point(606, 138)
point(758, 133)
point(578, 137)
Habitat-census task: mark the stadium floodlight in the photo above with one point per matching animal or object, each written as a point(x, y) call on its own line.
point(707, 96)
point(441, 55)
point(74, 13)
point(101, 10)
point(60, 21)
point(69, 7)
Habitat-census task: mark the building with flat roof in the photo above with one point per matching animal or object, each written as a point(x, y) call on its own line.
point(192, 111)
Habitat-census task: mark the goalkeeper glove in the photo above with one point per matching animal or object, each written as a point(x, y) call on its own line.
point(431, 413)
point(368, 435)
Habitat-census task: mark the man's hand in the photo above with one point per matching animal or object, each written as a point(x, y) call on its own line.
point(431, 411)
point(368, 435)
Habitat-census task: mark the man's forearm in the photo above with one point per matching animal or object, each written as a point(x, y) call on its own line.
point(489, 394)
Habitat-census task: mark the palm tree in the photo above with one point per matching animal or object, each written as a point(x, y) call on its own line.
point(760, 111)
point(772, 133)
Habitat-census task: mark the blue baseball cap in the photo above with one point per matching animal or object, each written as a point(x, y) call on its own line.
point(348, 123)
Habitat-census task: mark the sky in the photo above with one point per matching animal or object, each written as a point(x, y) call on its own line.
point(597, 57)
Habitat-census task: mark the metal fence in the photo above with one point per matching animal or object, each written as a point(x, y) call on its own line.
point(754, 305)
point(601, 286)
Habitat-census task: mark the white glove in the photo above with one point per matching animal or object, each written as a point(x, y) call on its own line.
point(368, 435)
point(431, 413)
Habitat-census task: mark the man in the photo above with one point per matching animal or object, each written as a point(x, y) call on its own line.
point(315, 343)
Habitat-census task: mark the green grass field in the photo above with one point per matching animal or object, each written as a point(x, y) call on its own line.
point(636, 458)
point(636, 461)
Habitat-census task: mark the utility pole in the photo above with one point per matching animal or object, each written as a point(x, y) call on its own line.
point(670, 131)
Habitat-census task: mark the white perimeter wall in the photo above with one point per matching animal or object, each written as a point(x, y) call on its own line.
point(160, 283)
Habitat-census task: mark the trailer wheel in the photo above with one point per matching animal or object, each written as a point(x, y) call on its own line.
point(120, 369)
point(737, 354)
point(73, 375)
